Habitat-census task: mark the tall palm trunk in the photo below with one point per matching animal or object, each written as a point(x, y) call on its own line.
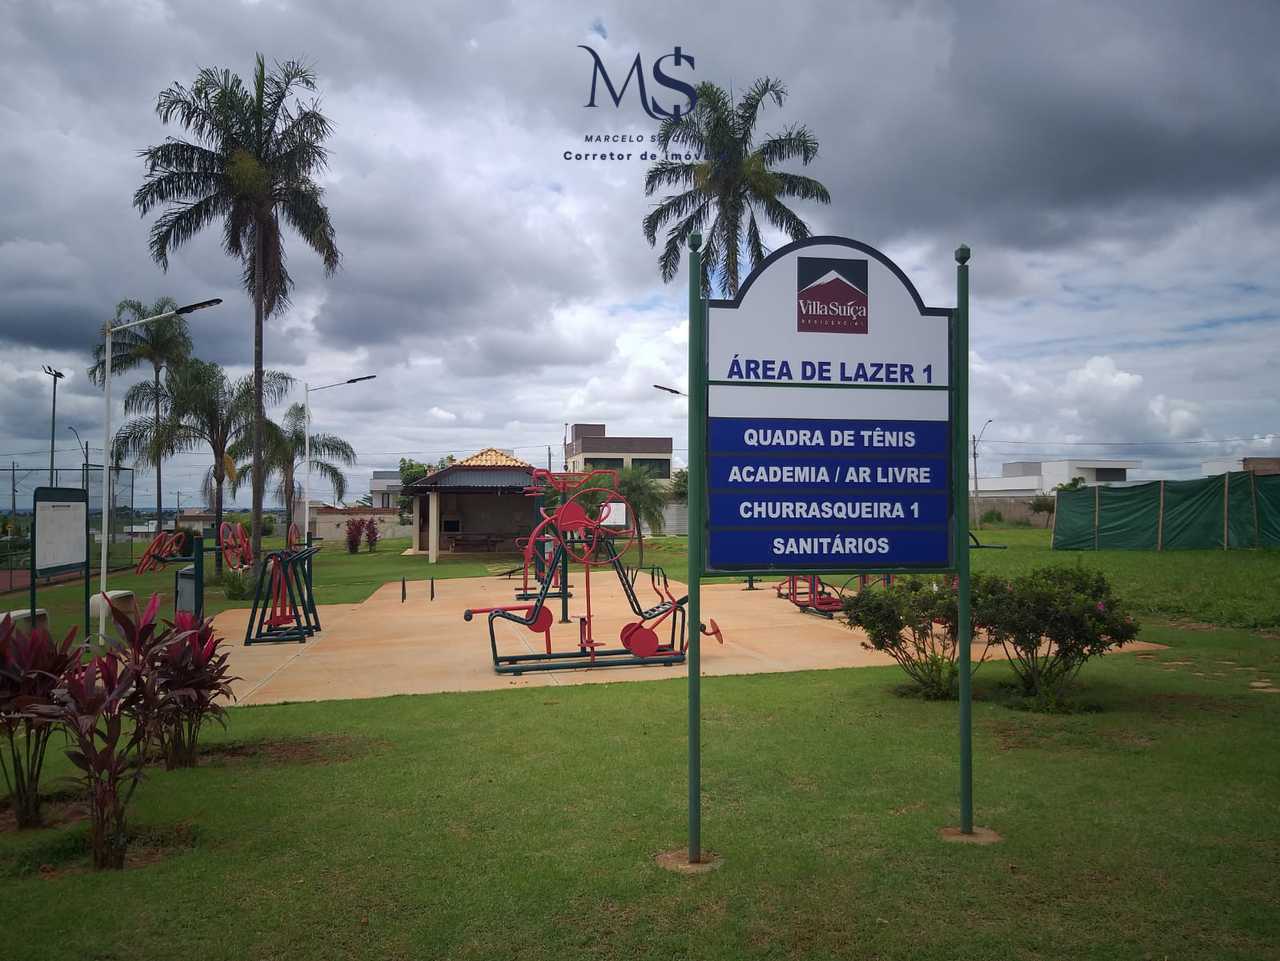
point(217, 516)
point(258, 413)
point(288, 491)
point(159, 486)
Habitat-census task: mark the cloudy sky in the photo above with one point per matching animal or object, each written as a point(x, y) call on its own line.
point(1115, 167)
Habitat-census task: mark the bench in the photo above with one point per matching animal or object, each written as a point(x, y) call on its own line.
point(488, 542)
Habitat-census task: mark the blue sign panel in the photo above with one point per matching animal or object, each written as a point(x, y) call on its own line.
point(829, 434)
point(790, 492)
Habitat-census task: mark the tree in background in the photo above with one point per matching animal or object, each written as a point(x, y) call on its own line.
point(678, 492)
point(161, 343)
point(412, 470)
point(734, 179)
point(1072, 485)
point(646, 495)
point(1044, 504)
point(251, 163)
point(286, 444)
point(203, 408)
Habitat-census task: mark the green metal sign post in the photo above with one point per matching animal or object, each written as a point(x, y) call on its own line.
point(867, 440)
point(960, 509)
point(697, 521)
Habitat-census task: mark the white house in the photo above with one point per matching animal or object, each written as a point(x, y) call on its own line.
point(384, 488)
point(1028, 478)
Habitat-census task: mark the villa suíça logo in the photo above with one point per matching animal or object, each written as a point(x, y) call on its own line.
point(831, 295)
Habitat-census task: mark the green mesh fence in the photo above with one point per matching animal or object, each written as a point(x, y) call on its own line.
point(1237, 510)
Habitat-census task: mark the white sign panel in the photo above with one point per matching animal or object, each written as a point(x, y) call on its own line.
point(828, 417)
point(60, 534)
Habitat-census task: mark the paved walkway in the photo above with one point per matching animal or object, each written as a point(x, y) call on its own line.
point(383, 646)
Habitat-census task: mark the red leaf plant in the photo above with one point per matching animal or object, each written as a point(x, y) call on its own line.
point(93, 704)
point(355, 532)
point(31, 666)
point(193, 676)
point(371, 533)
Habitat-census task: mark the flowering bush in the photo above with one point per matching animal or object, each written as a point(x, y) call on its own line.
point(371, 533)
point(914, 622)
point(1050, 622)
point(31, 666)
point(355, 533)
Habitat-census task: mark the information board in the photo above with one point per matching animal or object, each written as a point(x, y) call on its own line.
point(61, 531)
point(829, 417)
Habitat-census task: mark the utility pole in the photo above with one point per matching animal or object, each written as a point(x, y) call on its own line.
point(977, 517)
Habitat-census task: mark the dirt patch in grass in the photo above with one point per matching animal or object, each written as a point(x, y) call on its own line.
point(315, 749)
point(147, 846)
point(64, 853)
point(56, 810)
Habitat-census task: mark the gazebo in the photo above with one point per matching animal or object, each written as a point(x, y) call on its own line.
point(473, 505)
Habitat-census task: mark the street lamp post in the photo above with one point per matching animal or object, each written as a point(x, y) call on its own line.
point(108, 331)
point(977, 439)
point(57, 375)
point(306, 457)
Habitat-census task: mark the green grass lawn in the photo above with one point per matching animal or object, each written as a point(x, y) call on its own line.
point(523, 824)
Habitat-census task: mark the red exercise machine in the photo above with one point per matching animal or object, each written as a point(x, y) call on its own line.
point(594, 527)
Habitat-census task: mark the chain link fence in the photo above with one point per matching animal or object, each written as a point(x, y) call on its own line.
point(125, 528)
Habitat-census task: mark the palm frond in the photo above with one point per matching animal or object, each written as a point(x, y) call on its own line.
point(805, 188)
point(795, 141)
point(748, 112)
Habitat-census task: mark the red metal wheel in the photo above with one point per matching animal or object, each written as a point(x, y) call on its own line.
point(584, 528)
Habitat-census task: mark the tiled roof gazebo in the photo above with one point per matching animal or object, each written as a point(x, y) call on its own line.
point(475, 504)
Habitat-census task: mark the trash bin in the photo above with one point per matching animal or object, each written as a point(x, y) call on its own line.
point(184, 589)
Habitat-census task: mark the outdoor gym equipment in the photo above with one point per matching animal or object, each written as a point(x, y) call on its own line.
point(164, 547)
point(237, 551)
point(284, 606)
point(595, 527)
point(188, 582)
point(813, 595)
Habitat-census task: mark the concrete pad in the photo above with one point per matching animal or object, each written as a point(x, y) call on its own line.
point(383, 646)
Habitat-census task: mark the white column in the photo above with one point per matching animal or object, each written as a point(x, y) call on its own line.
point(417, 524)
point(433, 527)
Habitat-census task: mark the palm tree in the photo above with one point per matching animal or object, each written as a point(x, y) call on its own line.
point(252, 161)
point(733, 181)
point(645, 494)
point(286, 456)
point(202, 407)
point(161, 343)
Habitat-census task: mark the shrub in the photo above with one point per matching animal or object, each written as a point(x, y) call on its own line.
point(371, 533)
point(355, 533)
point(31, 665)
point(236, 584)
point(192, 675)
point(992, 517)
point(92, 702)
point(914, 622)
point(1050, 622)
